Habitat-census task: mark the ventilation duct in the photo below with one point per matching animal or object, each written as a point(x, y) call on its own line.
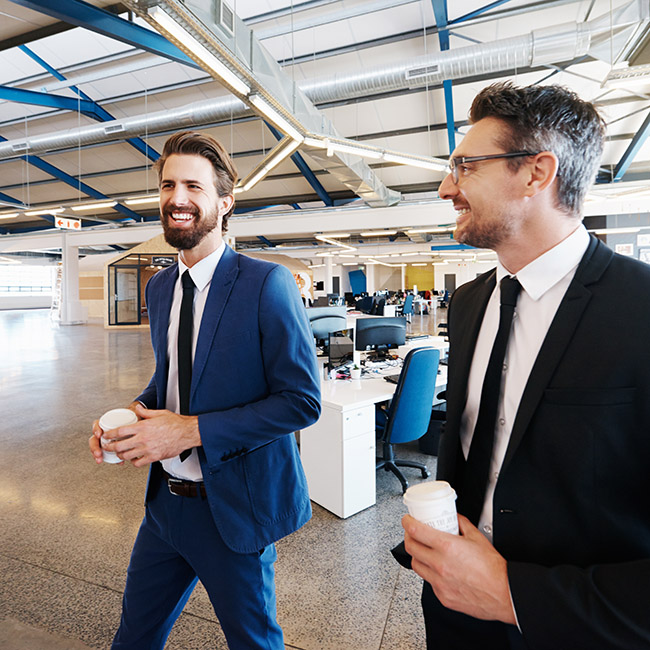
point(595, 38)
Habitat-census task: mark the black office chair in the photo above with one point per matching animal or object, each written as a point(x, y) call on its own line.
point(409, 411)
point(324, 320)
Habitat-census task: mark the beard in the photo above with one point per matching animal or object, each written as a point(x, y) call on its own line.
point(490, 234)
point(188, 238)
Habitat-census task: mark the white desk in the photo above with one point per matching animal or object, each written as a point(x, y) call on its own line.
point(338, 451)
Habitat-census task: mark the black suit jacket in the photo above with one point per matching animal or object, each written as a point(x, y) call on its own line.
point(572, 502)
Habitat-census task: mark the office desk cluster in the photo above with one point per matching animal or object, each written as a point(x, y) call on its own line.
point(338, 451)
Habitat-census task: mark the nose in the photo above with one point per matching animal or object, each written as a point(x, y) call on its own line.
point(178, 196)
point(448, 188)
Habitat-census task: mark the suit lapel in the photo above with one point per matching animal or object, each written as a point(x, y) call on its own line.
point(221, 286)
point(166, 293)
point(559, 336)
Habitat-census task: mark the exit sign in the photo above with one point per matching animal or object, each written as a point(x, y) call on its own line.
point(70, 224)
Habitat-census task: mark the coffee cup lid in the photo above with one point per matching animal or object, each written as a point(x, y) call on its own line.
point(429, 490)
point(117, 418)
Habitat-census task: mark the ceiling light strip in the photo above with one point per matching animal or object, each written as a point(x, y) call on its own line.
point(189, 43)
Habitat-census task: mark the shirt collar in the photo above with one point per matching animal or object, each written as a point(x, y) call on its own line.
point(548, 269)
point(202, 272)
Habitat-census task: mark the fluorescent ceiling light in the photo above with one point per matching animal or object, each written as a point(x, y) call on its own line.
point(414, 231)
point(338, 235)
point(8, 215)
point(439, 263)
point(92, 206)
point(316, 266)
point(343, 255)
point(282, 150)
point(188, 42)
point(378, 233)
point(614, 231)
point(324, 254)
point(419, 264)
point(327, 240)
point(142, 200)
point(275, 117)
point(38, 213)
point(416, 161)
point(368, 151)
point(351, 264)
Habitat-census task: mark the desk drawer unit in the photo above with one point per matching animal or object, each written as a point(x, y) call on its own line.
point(338, 454)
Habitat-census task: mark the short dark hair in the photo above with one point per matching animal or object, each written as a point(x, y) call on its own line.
point(548, 118)
point(201, 144)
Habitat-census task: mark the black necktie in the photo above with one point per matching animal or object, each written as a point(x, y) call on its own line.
point(474, 479)
point(185, 330)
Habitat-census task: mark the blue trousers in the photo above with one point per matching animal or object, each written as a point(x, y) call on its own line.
point(178, 544)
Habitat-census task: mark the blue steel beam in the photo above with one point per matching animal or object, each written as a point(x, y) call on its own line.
point(637, 142)
point(36, 98)
point(73, 182)
point(442, 22)
point(478, 12)
point(100, 113)
point(81, 14)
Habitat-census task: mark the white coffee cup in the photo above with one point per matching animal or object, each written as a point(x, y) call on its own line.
point(433, 503)
point(112, 420)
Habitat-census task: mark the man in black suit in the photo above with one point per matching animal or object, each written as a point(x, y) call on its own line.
point(555, 551)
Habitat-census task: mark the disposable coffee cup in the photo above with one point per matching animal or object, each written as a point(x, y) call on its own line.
point(112, 420)
point(434, 504)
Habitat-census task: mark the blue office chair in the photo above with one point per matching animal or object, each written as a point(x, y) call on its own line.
point(324, 320)
point(407, 307)
point(409, 411)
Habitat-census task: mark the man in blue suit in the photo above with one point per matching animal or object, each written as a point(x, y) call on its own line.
point(225, 481)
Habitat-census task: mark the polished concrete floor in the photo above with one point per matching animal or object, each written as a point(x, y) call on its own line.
point(68, 525)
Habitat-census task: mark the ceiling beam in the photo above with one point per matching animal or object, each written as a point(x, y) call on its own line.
point(99, 113)
point(82, 14)
point(637, 142)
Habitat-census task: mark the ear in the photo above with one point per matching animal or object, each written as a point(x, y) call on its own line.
point(225, 203)
point(543, 170)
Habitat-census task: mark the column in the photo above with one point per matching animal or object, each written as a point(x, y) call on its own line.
point(72, 311)
point(329, 273)
point(370, 279)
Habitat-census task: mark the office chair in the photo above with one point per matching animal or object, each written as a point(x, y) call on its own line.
point(324, 320)
point(364, 304)
point(407, 307)
point(409, 411)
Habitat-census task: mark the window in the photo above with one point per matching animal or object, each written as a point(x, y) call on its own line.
point(18, 279)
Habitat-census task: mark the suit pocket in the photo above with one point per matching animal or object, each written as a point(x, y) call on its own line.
point(590, 396)
point(275, 480)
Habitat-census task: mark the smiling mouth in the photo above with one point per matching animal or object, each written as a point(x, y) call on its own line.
point(181, 217)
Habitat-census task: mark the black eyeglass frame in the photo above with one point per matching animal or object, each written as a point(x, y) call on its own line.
point(460, 160)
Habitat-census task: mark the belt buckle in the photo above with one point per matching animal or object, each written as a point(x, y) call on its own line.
point(174, 481)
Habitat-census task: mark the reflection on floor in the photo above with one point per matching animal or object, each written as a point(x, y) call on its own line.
point(68, 525)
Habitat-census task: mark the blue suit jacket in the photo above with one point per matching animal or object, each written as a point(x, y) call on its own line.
point(254, 382)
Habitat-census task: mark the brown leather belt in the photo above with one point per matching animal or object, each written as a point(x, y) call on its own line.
point(183, 488)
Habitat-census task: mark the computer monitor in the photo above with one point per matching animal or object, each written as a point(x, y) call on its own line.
point(380, 334)
point(340, 348)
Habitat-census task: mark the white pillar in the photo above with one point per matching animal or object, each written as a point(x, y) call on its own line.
point(72, 311)
point(370, 279)
point(404, 278)
point(329, 283)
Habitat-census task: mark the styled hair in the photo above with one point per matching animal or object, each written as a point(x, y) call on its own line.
point(548, 118)
point(200, 144)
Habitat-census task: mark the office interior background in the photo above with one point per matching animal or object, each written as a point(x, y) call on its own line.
point(340, 115)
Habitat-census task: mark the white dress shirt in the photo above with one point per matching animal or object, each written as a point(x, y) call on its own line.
point(201, 274)
point(544, 282)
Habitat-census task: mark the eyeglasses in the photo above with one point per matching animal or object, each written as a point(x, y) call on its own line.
point(459, 161)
